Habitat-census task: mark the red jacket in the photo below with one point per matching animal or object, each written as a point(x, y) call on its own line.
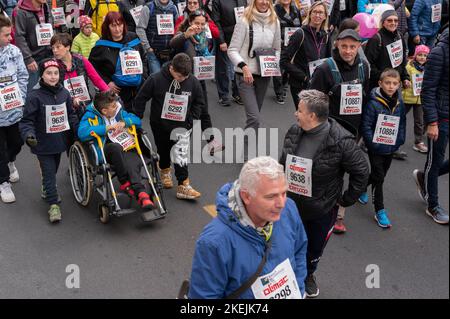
point(212, 26)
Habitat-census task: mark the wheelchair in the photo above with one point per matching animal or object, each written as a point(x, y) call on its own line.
point(88, 174)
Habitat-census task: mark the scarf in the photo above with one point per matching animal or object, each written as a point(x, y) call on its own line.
point(261, 17)
point(419, 67)
point(162, 6)
point(201, 47)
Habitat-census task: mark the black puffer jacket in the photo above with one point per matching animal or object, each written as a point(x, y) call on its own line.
point(338, 154)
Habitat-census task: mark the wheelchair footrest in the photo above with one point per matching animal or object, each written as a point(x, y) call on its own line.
point(124, 212)
point(151, 215)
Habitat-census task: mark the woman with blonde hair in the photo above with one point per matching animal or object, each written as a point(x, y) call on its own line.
point(307, 48)
point(257, 34)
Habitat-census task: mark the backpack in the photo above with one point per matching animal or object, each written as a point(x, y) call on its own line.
point(97, 10)
point(118, 78)
point(337, 75)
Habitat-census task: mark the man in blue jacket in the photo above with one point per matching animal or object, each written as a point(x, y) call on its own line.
point(425, 21)
point(256, 247)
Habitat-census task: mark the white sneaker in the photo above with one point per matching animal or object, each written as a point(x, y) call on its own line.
point(6, 193)
point(13, 173)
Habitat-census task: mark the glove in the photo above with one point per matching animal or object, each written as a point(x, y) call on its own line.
point(31, 141)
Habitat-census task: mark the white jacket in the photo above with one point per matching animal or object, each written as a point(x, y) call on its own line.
point(264, 37)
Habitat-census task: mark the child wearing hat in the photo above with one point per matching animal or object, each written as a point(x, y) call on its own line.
point(85, 40)
point(47, 126)
point(411, 95)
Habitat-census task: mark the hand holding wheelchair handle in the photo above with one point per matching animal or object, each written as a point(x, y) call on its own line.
point(31, 141)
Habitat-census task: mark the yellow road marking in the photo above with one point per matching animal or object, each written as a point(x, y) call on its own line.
point(211, 210)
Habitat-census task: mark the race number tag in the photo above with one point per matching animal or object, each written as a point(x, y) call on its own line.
point(281, 283)
point(165, 24)
point(342, 6)
point(136, 13)
point(314, 64)
point(299, 175)
point(131, 63)
point(386, 130)
point(288, 32)
point(77, 88)
point(44, 33)
point(175, 107)
point(59, 16)
point(436, 12)
point(56, 118)
point(395, 52)
point(351, 99)
point(238, 13)
point(181, 6)
point(204, 67)
point(10, 97)
point(417, 81)
point(269, 65)
point(122, 137)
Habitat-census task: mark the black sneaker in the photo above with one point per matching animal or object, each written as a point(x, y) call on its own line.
point(280, 99)
point(311, 288)
point(237, 99)
point(399, 155)
point(224, 102)
point(419, 178)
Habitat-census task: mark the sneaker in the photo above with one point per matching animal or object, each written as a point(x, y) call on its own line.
point(6, 193)
point(311, 288)
point(224, 102)
point(237, 99)
point(166, 178)
point(399, 155)
point(126, 188)
point(419, 178)
point(145, 202)
point(280, 99)
point(438, 214)
point(54, 213)
point(44, 196)
point(382, 219)
point(364, 198)
point(215, 147)
point(185, 191)
point(13, 173)
point(339, 227)
point(420, 147)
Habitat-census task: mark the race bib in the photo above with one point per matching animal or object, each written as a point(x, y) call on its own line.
point(417, 81)
point(165, 24)
point(386, 130)
point(288, 32)
point(395, 52)
point(314, 64)
point(238, 13)
point(299, 175)
point(10, 97)
point(44, 33)
point(131, 63)
point(181, 6)
point(175, 107)
point(77, 88)
point(56, 118)
point(351, 99)
point(436, 12)
point(136, 13)
point(59, 16)
point(342, 6)
point(281, 283)
point(204, 67)
point(122, 137)
point(269, 65)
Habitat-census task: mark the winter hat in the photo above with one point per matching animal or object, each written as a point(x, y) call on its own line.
point(84, 21)
point(386, 14)
point(46, 64)
point(421, 49)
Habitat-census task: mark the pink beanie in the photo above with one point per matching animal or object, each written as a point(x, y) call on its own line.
point(421, 49)
point(84, 21)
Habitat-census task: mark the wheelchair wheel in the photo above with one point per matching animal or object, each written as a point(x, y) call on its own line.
point(80, 175)
point(103, 212)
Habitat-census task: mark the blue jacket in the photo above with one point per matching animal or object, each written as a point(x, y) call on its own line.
point(227, 254)
point(434, 94)
point(420, 19)
point(93, 121)
point(362, 4)
point(377, 105)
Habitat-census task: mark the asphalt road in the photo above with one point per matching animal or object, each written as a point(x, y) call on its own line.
point(129, 259)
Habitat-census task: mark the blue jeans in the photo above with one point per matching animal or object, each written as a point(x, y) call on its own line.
point(49, 167)
point(154, 65)
point(436, 165)
point(428, 41)
point(225, 73)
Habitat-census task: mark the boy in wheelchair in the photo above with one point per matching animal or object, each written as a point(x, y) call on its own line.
point(106, 118)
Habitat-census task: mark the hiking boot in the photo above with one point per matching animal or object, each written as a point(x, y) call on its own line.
point(364, 198)
point(237, 99)
point(339, 227)
point(419, 178)
point(215, 147)
point(145, 201)
point(13, 173)
point(280, 99)
point(420, 147)
point(185, 191)
point(399, 155)
point(224, 102)
point(438, 214)
point(166, 178)
point(382, 219)
point(311, 288)
point(6, 193)
point(126, 188)
point(54, 213)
